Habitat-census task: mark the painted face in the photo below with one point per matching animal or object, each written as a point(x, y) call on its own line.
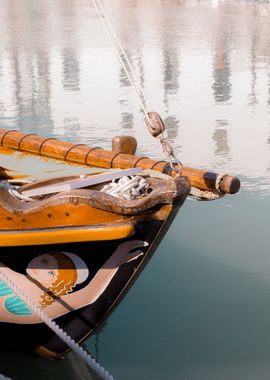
point(44, 269)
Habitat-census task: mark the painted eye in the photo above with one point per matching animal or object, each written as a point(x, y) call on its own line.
point(51, 274)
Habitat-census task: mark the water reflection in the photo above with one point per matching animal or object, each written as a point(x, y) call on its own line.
point(253, 100)
point(59, 76)
point(222, 85)
point(268, 99)
point(220, 137)
point(205, 66)
point(127, 117)
point(172, 125)
point(170, 69)
point(71, 70)
point(34, 368)
point(171, 77)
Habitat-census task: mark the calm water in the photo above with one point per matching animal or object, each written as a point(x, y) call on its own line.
point(201, 308)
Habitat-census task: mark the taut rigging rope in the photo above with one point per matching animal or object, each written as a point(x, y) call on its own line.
point(126, 64)
point(152, 119)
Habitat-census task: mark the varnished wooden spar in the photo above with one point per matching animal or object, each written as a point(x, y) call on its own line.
point(117, 158)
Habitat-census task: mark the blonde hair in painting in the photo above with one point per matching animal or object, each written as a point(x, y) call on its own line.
point(69, 275)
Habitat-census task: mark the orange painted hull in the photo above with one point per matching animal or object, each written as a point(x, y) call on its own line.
point(79, 215)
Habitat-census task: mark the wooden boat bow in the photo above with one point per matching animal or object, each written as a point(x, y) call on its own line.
point(83, 230)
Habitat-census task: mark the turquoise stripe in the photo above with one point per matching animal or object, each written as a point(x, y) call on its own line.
point(15, 306)
point(4, 289)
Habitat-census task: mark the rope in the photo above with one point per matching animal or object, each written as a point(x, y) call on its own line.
point(100, 371)
point(128, 187)
point(134, 186)
point(20, 196)
point(140, 93)
point(218, 180)
point(109, 28)
point(204, 195)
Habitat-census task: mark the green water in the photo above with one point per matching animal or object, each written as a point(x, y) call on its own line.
point(201, 308)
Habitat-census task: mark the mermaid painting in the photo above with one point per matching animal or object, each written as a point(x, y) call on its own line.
point(51, 278)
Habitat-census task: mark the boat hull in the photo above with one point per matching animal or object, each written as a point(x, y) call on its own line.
point(75, 253)
point(81, 321)
point(81, 215)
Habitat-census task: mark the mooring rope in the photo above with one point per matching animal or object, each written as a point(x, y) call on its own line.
point(91, 362)
point(204, 195)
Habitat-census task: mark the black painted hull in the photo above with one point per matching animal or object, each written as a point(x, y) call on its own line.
point(80, 323)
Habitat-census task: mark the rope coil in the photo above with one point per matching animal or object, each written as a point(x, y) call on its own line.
point(128, 187)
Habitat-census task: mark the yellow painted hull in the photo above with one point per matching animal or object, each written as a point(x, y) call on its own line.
point(66, 235)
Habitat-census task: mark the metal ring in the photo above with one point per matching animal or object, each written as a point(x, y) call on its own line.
point(141, 158)
point(6, 133)
point(90, 151)
point(70, 149)
point(116, 154)
point(21, 140)
point(43, 142)
point(169, 167)
point(157, 162)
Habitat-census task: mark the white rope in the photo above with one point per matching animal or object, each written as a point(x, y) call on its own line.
point(204, 195)
point(133, 186)
point(20, 196)
point(109, 28)
point(218, 180)
point(139, 91)
point(128, 187)
point(91, 362)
